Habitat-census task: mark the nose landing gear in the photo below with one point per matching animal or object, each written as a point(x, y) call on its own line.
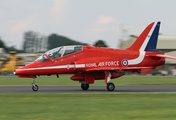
point(34, 86)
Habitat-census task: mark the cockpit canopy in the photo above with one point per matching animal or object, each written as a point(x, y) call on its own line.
point(59, 52)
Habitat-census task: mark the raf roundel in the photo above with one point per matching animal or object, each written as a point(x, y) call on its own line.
point(125, 62)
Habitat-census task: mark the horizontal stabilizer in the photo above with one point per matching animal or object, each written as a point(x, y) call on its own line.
point(163, 56)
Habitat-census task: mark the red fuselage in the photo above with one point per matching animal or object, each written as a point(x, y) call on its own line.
point(92, 59)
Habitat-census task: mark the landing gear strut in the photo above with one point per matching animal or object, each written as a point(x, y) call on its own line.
point(84, 86)
point(110, 86)
point(34, 86)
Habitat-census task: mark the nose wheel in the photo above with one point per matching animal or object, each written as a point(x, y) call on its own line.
point(110, 86)
point(34, 86)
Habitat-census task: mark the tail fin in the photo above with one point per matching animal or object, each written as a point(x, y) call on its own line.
point(147, 40)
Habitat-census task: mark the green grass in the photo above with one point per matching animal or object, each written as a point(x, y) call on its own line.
point(88, 106)
point(76, 106)
point(65, 80)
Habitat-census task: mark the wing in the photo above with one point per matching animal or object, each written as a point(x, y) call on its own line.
point(126, 68)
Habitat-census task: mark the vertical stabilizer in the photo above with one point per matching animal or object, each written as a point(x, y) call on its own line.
point(147, 40)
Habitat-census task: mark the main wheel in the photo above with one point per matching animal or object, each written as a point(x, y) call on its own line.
point(35, 87)
point(110, 86)
point(84, 86)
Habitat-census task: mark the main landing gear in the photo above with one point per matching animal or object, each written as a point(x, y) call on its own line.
point(34, 86)
point(84, 86)
point(110, 86)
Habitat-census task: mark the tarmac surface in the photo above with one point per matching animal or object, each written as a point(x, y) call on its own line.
point(92, 89)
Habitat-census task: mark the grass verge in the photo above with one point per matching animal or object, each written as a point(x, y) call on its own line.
point(88, 106)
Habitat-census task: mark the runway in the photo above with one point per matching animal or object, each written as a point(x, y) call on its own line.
point(92, 89)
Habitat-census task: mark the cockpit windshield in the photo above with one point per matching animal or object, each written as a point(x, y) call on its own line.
point(60, 52)
point(55, 53)
point(42, 58)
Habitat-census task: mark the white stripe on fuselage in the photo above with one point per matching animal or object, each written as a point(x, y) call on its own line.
point(140, 58)
point(56, 67)
point(80, 65)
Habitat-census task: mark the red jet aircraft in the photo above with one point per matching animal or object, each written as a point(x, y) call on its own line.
point(90, 63)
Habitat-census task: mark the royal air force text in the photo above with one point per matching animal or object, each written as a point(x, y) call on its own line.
point(103, 64)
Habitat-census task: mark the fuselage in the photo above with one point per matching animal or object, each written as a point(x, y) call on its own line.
point(90, 58)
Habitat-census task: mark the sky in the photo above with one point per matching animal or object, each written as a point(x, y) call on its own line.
point(84, 20)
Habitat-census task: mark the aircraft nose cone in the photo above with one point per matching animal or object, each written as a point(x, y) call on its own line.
point(14, 72)
point(17, 72)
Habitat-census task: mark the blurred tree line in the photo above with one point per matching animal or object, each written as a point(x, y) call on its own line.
point(8, 48)
point(33, 42)
point(55, 40)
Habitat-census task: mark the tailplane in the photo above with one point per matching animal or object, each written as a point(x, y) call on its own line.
point(147, 40)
